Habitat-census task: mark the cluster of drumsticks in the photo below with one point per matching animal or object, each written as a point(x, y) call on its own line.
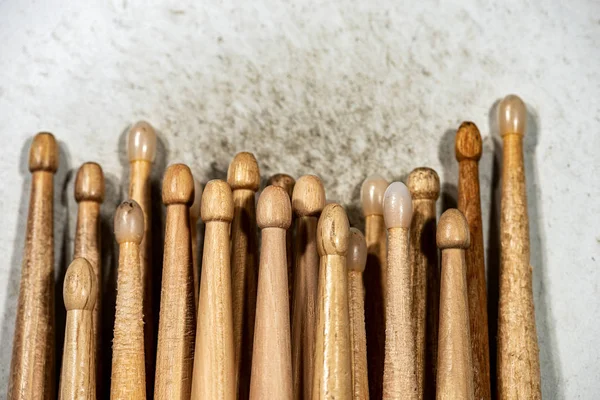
point(326, 313)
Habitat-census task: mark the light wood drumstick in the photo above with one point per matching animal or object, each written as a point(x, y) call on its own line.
point(214, 360)
point(272, 355)
point(243, 176)
point(518, 352)
point(128, 379)
point(80, 291)
point(194, 217)
point(424, 187)
point(372, 192)
point(468, 152)
point(32, 365)
point(399, 376)
point(356, 260)
point(141, 150)
point(89, 194)
point(332, 368)
point(308, 200)
point(454, 369)
point(177, 322)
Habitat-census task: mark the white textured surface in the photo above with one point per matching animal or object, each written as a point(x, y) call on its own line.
point(343, 89)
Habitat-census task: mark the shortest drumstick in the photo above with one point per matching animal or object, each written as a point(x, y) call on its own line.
point(80, 291)
point(194, 217)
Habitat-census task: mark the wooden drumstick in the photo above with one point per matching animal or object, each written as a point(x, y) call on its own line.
point(214, 360)
point(372, 191)
point(454, 368)
point(356, 260)
point(177, 322)
point(141, 151)
point(32, 365)
point(399, 376)
point(272, 354)
point(243, 176)
point(194, 217)
point(468, 152)
point(332, 368)
point(80, 291)
point(128, 380)
point(424, 187)
point(518, 352)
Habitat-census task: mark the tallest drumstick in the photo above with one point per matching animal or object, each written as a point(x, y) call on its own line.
point(518, 353)
point(32, 366)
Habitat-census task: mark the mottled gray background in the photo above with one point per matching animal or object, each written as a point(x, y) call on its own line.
point(342, 89)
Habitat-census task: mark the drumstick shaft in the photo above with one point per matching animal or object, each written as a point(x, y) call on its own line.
point(356, 295)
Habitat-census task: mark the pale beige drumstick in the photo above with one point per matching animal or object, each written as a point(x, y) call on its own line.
point(272, 354)
point(194, 217)
point(372, 191)
point(518, 352)
point(89, 194)
point(177, 322)
point(424, 187)
point(141, 149)
point(454, 367)
point(80, 291)
point(128, 379)
point(356, 260)
point(399, 376)
point(243, 176)
point(32, 366)
point(214, 359)
point(468, 152)
point(332, 366)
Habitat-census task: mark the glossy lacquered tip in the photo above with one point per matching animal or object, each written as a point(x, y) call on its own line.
point(243, 172)
point(468, 142)
point(397, 206)
point(43, 153)
point(423, 183)
point(308, 197)
point(357, 251)
point(371, 195)
point(141, 143)
point(274, 209)
point(283, 181)
point(217, 202)
point(178, 185)
point(89, 183)
point(333, 231)
point(129, 222)
point(195, 208)
point(80, 288)
point(452, 230)
point(512, 115)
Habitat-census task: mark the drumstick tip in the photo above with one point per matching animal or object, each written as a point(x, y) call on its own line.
point(284, 181)
point(178, 185)
point(43, 153)
point(468, 142)
point(141, 145)
point(453, 230)
point(397, 206)
point(333, 230)
point(243, 172)
point(371, 194)
point(89, 183)
point(423, 183)
point(357, 251)
point(308, 196)
point(195, 208)
point(217, 202)
point(129, 222)
point(274, 209)
point(80, 288)
point(512, 115)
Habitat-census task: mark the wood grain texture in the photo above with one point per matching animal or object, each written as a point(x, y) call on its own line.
point(454, 369)
point(32, 366)
point(177, 321)
point(214, 360)
point(468, 152)
point(80, 291)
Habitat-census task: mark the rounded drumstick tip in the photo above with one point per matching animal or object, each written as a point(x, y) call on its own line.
point(333, 231)
point(89, 183)
point(178, 185)
point(243, 172)
point(512, 115)
point(283, 181)
point(371, 195)
point(308, 197)
point(423, 183)
point(397, 206)
point(357, 251)
point(141, 143)
point(217, 202)
point(43, 153)
point(468, 142)
point(129, 222)
point(274, 209)
point(195, 208)
point(80, 288)
point(452, 230)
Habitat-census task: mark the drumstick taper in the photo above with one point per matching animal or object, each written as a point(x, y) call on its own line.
point(194, 217)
